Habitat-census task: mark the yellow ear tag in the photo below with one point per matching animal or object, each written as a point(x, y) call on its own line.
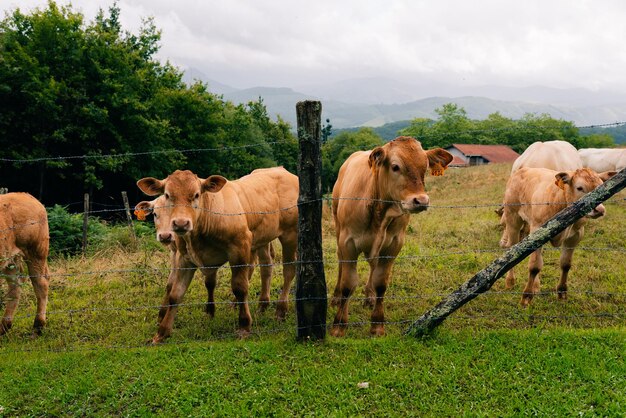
point(141, 214)
point(559, 183)
point(437, 169)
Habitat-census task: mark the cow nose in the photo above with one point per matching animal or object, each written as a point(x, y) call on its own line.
point(165, 237)
point(421, 200)
point(181, 225)
point(598, 212)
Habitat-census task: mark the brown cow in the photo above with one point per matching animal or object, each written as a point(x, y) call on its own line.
point(219, 221)
point(167, 237)
point(24, 235)
point(374, 195)
point(532, 197)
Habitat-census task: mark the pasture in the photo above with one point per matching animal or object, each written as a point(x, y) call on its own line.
point(491, 358)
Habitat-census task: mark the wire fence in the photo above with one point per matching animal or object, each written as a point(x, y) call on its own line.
point(601, 304)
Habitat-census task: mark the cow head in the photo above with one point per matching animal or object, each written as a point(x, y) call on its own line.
point(182, 191)
point(400, 167)
point(162, 223)
point(578, 183)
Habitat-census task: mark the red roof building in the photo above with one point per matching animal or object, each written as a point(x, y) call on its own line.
point(468, 154)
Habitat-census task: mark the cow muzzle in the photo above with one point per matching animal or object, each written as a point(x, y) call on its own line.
point(181, 225)
point(598, 212)
point(415, 204)
point(165, 237)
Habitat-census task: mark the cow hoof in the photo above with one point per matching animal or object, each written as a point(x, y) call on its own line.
point(281, 314)
point(369, 301)
point(5, 326)
point(209, 308)
point(156, 340)
point(263, 305)
point(377, 330)
point(338, 331)
point(561, 295)
point(243, 333)
point(525, 301)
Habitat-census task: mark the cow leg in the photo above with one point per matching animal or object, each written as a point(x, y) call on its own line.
point(182, 279)
point(369, 293)
point(346, 285)
point(290, 245)
point(38, 272)
point(512, 235)
point(532, 286)
point(380, 281)
point(381, 277)
point(240, 261)
point(210, 280)
point(12, 298)
point(567, 253)
point(239, 285)
point(265, 261)
point(168, 287)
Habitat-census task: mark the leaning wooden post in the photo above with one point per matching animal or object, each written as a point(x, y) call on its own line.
point(311, 302)
point(484, 279)
point(129, 218)
point(85, 221)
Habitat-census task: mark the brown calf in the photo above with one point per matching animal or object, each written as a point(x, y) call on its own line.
point(374, 195)
point(218, 221)
point(24, 235)
point(533, 196)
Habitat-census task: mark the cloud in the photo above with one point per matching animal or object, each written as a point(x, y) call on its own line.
point(558, 43)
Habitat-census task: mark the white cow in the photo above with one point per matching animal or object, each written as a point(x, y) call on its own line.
point(554, 155)
point(603, 159)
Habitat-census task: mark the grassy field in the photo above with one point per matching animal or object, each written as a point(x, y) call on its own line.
point(491, 358)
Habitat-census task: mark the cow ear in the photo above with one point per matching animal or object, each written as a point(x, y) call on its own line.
point(562, 179)
point(438, 160)
point(607, 175)
point(213, 184)
point(377, 156)
point(151, 186)
point(143, 209)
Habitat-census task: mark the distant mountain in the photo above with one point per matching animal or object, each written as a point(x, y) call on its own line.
point(192, 75)
point(378, 90)
point(578, 105)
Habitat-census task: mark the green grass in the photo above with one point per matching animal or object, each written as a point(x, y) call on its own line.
point(490, 358)
point(473, 373)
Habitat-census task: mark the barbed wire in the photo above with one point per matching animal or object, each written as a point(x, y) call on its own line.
point(273, 142)
point(143, 153)
point(329, 297)
point(398, 259)
point(121, 210)
point(529, 318)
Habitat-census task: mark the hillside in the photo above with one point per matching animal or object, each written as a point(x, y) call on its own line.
point(282, 101)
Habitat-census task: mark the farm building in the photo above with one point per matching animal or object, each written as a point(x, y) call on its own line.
point(469, 154)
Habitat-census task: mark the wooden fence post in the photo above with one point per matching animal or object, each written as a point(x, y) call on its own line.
point(484, 279)
point(311, 295)
point(129, 218)
point(85, 221)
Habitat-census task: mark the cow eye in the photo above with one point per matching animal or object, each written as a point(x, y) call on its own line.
point(167, 196)
point(580, 189)
point(196, 196)
point(155, 215)
point(395, 167)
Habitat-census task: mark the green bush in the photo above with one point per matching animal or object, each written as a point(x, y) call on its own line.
point(66, 231)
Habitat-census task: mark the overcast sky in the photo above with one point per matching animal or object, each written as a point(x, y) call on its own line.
point(245, 43)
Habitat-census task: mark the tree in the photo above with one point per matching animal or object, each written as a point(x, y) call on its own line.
point(96, 94)
point(337, 149)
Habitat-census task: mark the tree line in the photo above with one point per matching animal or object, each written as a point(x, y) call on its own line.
point(453, 126)
point(75, 88)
